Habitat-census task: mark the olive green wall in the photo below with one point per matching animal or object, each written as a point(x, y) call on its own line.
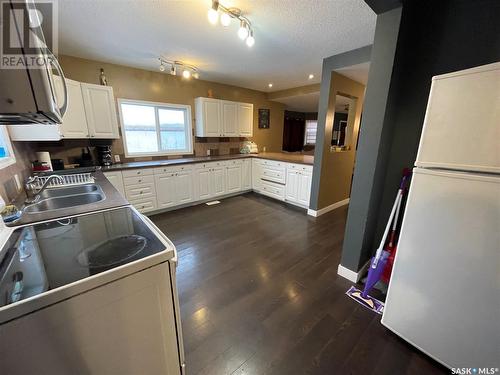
point(132, 83)
point(337, 167)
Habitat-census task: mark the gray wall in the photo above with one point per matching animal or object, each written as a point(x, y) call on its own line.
point(435, 37)
point(374, 143)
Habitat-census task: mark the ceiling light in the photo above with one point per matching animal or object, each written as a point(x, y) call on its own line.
point(250, 40)
point(187, 70)
point(213, 14)
point(311, 76)
point(243, 30)
point(270, 85)
point(225, 19)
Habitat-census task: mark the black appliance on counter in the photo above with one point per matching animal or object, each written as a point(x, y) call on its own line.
point(104, 156)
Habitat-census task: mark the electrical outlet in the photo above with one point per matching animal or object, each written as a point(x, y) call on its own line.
point(117, 158)
point(208, 152)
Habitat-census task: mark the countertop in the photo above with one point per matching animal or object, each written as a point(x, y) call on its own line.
point(113, 199)
point(280, 156)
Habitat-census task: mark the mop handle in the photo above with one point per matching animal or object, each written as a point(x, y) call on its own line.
point(378, 254)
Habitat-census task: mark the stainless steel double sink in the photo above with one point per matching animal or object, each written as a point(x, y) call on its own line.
point(66, 197)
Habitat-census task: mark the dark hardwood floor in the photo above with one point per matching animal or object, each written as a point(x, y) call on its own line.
point(260, 294)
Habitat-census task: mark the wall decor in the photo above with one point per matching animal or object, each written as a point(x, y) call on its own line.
point(264, 118)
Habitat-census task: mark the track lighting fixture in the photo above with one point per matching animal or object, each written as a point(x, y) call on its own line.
point(187, 70)
point(245, 31)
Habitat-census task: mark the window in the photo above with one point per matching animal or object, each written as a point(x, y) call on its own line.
point(6, 153)
point(151, 129)
point(310, 136)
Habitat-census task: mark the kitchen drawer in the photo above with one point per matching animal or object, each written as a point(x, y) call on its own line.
point(137, 172)
point(273, 190)
point(272, 163)
point(138, 180)
point(141, 191)
point(234, 162)
point(144, 205)
point(172, 169)
point(300, 167)
point(273, 174)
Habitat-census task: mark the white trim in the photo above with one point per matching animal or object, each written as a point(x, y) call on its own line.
point(351, 275)
point(326, 209)
point(189, 131)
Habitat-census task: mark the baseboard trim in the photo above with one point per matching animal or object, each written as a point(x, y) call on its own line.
point(326, 209)
point(351, 275)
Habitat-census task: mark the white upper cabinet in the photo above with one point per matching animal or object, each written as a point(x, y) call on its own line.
point(223, 118)
point(74, 122)
point(208, 117)
point(91, 113)
point(100, 109)
point(229, 118)
point(245, 119)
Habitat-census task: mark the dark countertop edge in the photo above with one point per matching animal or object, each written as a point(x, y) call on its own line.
point(113, 200)
point(198, 159)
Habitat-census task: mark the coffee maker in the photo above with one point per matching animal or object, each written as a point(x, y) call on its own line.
point(104, 156)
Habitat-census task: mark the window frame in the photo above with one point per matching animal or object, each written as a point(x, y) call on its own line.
point(157, 105)
point(305, 133)
point(11, 159)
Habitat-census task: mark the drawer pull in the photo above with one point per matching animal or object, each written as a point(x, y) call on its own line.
point(140, 192)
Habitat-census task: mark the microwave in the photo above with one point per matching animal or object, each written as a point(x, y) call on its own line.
point(27, 94)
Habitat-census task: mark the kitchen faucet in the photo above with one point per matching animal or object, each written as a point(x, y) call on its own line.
point(32, 197)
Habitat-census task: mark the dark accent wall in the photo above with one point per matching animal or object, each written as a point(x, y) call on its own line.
point(456, 35)
point(435, 37)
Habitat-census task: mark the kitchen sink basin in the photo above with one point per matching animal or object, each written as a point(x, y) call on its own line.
point(66, 197)
point(70, 190)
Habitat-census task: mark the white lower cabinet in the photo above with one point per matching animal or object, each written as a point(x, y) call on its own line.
point(209, 180)
point(150, 189)
point(165, 190)
point(233, 176)
point(246, 174)
point(174, 186)
point(256, 175)
point(202, 183)
point(184, 186)
point(217, 181)
point(298, 184)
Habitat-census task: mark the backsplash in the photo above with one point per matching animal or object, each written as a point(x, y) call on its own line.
point(70, 150)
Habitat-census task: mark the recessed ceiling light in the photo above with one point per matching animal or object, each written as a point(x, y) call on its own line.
point(311, 76)
point(270, 85)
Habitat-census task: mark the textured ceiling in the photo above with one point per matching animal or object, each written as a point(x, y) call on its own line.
point(309, 102)
point(301, 103)
point(292, 36)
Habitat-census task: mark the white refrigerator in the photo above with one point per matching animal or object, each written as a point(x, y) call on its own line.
point(444, 294)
